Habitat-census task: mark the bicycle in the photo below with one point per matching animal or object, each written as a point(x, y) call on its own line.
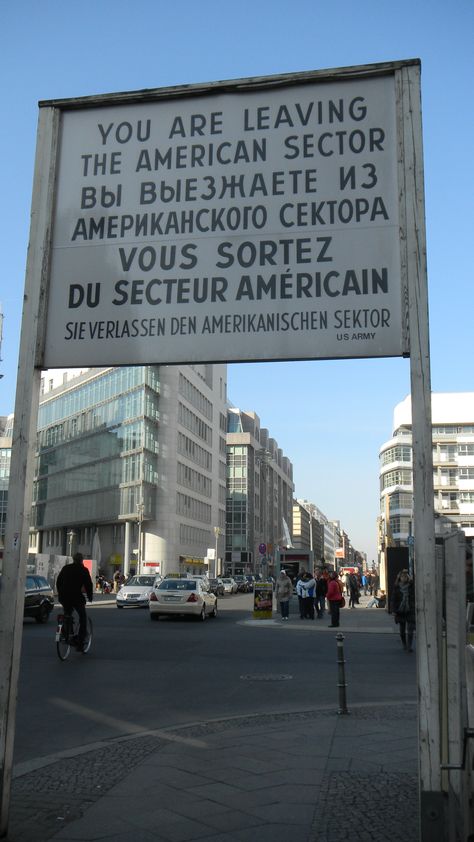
point(66, 635)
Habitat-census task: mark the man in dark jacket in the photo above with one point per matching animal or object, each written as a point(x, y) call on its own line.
point(72, 583)
point(321, 591)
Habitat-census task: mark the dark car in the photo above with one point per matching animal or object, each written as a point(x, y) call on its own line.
point(216, 586)
point(39, 598)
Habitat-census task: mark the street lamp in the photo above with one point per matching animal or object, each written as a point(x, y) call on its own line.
point(263, 458)
point(70, 536)
point(217, 532)
point(311, 509)
point(140, 521)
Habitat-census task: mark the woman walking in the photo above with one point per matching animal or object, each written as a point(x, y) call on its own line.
point(283, 593)
point(403, 607)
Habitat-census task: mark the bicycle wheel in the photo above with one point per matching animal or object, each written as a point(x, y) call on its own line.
point(88, 641)
point(63, 647)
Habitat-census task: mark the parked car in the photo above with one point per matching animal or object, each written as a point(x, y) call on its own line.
point(136, 592)
point(230, 585)
point(216, 586)
point(242, 583)
point(203, 577)
point(39, 598)
point(185, 597)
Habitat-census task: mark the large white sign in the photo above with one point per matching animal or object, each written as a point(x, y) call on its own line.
point(249, 225)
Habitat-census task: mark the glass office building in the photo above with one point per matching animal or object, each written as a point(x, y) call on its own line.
point(6, 431)
point(131, 466)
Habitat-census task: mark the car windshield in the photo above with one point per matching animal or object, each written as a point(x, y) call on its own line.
point(141, 581)
point(227, 581)
point(178, 585)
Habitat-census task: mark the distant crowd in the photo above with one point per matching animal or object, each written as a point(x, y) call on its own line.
point(103, 585)
point(325, 590)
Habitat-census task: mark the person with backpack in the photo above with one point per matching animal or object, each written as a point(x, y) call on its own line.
point(309, 588)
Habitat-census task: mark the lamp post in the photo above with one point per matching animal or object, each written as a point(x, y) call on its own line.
point(140, 521)
point(311, 512)
point(70, 536)
point(263, 457)
point(217, 532)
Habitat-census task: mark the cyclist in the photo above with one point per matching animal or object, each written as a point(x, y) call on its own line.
point(72, 583)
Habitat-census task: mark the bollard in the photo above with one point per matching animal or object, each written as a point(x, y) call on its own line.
point(341, 674)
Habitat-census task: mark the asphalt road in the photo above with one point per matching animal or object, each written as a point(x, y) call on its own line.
point(146, 675)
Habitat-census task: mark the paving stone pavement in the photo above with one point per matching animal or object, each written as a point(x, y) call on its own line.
point(264, 777)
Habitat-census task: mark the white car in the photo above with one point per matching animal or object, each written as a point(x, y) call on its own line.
point(136, 592)
point(182, 597)
point(230, 585)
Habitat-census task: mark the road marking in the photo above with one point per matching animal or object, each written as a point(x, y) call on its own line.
point(123, 725)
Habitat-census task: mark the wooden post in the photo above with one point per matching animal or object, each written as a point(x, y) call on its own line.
point(428, 615)
point(12, 591)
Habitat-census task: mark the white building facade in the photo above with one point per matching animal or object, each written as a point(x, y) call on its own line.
point(453, 469)
point(259, 495)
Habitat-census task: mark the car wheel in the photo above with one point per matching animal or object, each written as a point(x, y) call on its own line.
point(203, 614)
point(43, 614)
point(214, 610)
point(154, 616)
point(119, 606)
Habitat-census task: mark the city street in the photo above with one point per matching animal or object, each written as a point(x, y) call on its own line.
point(141, 675)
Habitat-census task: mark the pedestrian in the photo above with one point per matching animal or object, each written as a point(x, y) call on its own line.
point(364, 583)
point(309, 587)
point(283, 593)
point(300, 592)
point(347, 580)
point(117, 580)
point(353, 590)
point(402, 605)
point(321, 591)
point(378, 601)
point(334, 598)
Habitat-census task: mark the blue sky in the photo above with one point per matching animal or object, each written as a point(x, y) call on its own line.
point(330, 418)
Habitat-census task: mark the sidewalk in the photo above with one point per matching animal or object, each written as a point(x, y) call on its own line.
point(306, 775)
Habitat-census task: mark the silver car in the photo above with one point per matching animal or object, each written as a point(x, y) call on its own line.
point(136, 592)
point(230, 585)
point(182, 597)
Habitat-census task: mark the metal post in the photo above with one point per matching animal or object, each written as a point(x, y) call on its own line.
point(70, 537)
point(341, 674)
point(139, 553)
point(126, 549)
point(217, 532)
